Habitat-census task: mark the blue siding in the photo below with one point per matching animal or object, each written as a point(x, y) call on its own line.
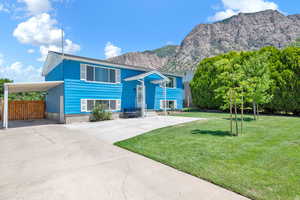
point(172, 94)
point(76, 89)
point(129, 88)
point(72, 69)
point(52, 99)
point(56, 74)
point(150, 95)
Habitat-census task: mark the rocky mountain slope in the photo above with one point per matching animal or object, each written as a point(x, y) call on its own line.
point(241, 32)
point(155, 59)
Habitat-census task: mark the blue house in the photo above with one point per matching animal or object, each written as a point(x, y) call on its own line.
point(86, 82)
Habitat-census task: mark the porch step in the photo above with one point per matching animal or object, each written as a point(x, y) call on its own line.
point(151, 114)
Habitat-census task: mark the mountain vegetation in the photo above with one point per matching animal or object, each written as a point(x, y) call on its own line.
point(165, 51)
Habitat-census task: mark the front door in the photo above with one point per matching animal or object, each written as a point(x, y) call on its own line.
point(139, 98)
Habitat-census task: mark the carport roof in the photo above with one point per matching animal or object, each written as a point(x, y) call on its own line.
point(32, 86)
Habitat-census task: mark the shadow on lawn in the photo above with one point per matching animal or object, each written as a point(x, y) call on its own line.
point(246, 119)
point(209, 132)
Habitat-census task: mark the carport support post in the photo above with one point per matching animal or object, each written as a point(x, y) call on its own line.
point(61, 110)
point(5, 112)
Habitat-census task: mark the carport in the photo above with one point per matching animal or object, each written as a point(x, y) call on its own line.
point(10, 88)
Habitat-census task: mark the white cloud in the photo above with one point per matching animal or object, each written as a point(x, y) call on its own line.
point(40, 30)
point(20, 73)
point(111, 50)
point(69, 47)
point(30, 51)
point(233, 7)
point(35, 7)
point(44, 51)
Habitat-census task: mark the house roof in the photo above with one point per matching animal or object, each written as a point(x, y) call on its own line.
point(54, 58)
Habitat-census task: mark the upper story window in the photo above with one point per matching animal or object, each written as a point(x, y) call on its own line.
point(99, 74)
point(172, 82)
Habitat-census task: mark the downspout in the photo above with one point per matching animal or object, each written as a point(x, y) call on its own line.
point(165, 94)
point(143, 97)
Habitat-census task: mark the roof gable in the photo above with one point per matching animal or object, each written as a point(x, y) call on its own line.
point(53, 59)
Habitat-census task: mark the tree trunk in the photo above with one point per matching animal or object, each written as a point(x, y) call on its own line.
point(242, 114)
point(236, 122)
point(230, 112)
point(254, 111)
point(257, 111)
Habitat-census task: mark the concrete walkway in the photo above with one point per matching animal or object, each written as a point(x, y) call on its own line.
point(116, 130)
point(58, 163)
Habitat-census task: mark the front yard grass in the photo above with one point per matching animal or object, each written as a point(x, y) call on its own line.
point(263, 163)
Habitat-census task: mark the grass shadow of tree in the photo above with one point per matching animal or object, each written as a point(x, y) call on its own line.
point(246, 119)
point(210, 132)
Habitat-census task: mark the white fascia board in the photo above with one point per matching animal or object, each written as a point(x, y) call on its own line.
point(144, 75)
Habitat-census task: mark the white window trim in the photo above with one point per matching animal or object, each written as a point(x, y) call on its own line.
point(162, 100)
point(94, 66)
point(103, 100)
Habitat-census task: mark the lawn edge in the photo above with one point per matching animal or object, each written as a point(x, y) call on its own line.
point(118, 144)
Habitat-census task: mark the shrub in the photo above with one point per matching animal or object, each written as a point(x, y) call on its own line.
point(100, 114)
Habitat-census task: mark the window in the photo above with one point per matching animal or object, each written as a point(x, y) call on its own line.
point(108, 104)
point(90, 73)
point(100, 74)
point(172, 82)
point(169, 104)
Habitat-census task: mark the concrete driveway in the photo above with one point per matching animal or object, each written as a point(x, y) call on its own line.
point(58, 162)
point(116, 130)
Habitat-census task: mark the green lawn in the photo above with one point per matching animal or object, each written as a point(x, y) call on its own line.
point(263, 163)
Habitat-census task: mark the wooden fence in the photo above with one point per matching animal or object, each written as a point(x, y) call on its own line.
point(24, 110)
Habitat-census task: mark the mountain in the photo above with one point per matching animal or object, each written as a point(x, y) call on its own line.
point(243, 32)
point(155, 59)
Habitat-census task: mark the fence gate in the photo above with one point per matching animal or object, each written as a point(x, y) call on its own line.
point(25, 110)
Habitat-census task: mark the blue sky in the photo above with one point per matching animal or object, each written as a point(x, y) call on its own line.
point(101, 29)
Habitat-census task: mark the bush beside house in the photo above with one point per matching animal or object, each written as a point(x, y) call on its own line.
point(100, 114)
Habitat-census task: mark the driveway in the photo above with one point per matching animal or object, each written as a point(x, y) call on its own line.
point(64, 162)
point(116, 130)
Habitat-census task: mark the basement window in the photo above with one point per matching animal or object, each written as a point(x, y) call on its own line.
point(169, 104)
point(87, 105)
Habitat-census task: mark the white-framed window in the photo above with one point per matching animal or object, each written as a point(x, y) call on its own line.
point(99, 74)
point(87, 105)
point(172, 82)
point(169, 104)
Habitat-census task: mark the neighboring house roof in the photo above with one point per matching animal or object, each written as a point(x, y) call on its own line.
point(54, 58)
